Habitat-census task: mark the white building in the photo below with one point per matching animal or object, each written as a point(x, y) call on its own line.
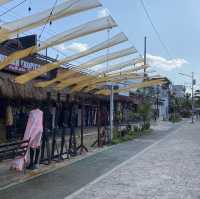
point(178, 91)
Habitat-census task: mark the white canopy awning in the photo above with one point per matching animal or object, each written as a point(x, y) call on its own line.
point(109, 57)
point(67, 8)
point(79, 31)
point(119, 38)
point(4, 1)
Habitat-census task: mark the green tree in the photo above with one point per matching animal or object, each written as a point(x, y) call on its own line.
point(144, 110)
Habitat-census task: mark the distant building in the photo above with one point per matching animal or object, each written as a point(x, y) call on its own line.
point(161, 97)
point(178, 91)
point(162, 101)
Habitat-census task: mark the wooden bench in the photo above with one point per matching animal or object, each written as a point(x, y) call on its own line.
point(13, 150)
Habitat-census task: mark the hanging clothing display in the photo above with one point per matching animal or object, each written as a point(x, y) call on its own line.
point(79, 117)
point(58, 116)
point(33, 133)
point(34, 128)
point(9, 116)
point(47, 119)
point(9, 122)
point(65, 113)
point(53, 112)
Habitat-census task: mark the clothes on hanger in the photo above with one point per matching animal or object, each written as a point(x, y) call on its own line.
point(9, 116)
point(33, 133)
point(9, 122)
point(65, 114)
point(47, 119)
point(53, 112)
point(58, 116)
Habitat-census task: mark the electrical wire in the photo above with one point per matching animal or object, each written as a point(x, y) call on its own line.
point(51, 13)
point(155, 30)
point(51, 32)
point(48, 19)
point(12, 8)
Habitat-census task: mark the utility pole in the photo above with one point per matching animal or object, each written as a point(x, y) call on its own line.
point(145, 54)
point(111, 95)
point(193, 82)
point(145, 62)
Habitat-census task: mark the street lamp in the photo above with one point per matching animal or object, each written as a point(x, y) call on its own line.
point(193, 83)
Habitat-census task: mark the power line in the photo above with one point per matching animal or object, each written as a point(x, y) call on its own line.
point(48, 19)
point(155, 29)
point(12, 8)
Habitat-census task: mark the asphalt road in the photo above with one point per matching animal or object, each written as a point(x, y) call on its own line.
point(65, 181)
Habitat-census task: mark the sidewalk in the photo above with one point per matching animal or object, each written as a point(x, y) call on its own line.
point(8, 178)
point(168, 169)
point(66, 180)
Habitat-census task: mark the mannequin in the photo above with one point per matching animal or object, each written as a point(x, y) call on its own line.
point(34, 130)
point(33, 133)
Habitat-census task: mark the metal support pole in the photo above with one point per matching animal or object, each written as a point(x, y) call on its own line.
point(145, 61)
point(82, 147)
point(145, 53)
point(111, 112)
point(192, 97)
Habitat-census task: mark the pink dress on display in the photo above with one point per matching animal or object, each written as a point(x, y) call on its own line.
point(33, 133)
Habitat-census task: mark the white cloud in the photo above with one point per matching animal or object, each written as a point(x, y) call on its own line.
point(165, 64)
point(75, 47)
point(103, 13)
point(60, 47)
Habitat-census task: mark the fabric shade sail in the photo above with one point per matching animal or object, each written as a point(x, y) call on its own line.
point(117, 39)
point(74, 33)
point(84, 84)
point(137, 68)
point(133, 86)
point(71, 81)
point(109, 57)
point(122, 65)
point(118, 80)
point(67, 8)
point(4, 2)
point(103, 59)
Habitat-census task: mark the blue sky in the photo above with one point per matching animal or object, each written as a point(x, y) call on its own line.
point(177, 21)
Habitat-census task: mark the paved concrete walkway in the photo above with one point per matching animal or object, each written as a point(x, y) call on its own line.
point(119, 172)
point(168, 169)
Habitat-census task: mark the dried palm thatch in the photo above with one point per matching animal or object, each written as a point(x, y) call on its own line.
point(9, 89)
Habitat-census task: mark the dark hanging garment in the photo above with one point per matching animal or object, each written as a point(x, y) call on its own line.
point(9, 123)
point(21, 123)
point(58, 117)
point(65, 114)
point(73, 115)
point(47, 119)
